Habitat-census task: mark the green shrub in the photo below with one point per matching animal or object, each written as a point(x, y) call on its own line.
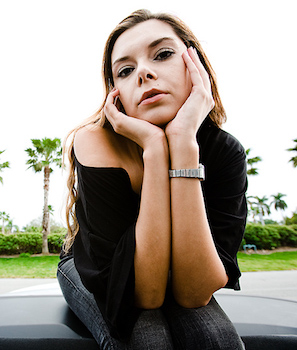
point(30, 243)
point(262, 236)
point(288, 235)
point(25, 255)
point(55, 241)
point(35, 229)
point(270, 236)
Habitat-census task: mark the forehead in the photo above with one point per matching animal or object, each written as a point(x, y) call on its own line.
point(141, 35)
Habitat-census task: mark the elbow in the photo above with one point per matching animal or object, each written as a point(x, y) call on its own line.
point(149, 303)
point(193, 301)
point(200, 296)
point(149, 300)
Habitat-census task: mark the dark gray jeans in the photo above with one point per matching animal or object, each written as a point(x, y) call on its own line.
point(170, 327)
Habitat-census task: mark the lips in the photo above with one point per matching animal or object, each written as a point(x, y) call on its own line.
point(151, 96)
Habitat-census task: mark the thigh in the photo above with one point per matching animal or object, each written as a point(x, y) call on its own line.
point(150, 332)
point(204, 328)
point(83, 304)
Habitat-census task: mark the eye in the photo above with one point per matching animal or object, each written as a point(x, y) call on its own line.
point(124, 72)
point(163, 54)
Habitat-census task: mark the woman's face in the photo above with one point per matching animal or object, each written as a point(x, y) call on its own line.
point(150, 73)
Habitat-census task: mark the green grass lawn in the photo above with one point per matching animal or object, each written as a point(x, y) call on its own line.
point(29, 267)
point(46, 266)
point(268, 262)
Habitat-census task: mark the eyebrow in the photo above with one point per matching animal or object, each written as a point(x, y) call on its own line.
point(158, 41)
point(150, 46)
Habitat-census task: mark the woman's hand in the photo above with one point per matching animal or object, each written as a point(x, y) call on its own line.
point(199, 103)
point(139, 131)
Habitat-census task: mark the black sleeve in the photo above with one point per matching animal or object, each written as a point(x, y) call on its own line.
point(105, 244)
point(224, 193)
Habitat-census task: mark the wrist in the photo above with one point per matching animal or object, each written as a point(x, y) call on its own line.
point(184, 154)
point(197, 173)
point(156, 150)
point(182, 142)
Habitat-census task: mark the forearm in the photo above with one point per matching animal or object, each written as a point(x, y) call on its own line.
point(197, 270)
point(153, 229)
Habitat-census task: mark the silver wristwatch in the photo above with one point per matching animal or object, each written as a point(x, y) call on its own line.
point(198, 173)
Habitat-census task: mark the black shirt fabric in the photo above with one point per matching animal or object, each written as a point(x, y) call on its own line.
point(107, 211)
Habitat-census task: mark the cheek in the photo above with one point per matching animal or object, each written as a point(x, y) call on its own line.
point(126, 106)
point(184, 80)
point(185, 87)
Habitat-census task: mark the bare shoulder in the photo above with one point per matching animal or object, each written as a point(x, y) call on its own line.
point(95, 146)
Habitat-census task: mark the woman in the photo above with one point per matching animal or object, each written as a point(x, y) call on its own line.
point(151, 242)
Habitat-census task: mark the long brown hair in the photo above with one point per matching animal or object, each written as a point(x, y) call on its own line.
point(217, 114)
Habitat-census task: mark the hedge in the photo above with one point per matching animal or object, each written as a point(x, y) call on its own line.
point(270, 236)
point(29, 243)
point(263, 236)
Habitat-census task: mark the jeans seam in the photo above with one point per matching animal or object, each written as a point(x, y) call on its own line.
point(78, 290)
point(70, 281)
point(67, 278)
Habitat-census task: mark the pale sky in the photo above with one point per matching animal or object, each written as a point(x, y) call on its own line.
point(50, 80)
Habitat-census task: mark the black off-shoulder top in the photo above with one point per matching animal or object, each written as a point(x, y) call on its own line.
point(107, 211)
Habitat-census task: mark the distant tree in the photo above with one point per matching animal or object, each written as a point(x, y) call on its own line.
point(254, 210)
point(260, 206)
point(292, 220)
point(11, 227)
point(279, 203)
point(251, 162)
point(3, 166)
point(4, 217)
point(294, 158)
point(270, 222)
point(46, 152)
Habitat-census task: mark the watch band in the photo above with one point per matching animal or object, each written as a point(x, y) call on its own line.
point(198, 173)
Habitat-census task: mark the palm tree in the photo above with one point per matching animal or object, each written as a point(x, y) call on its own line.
point(251, 162)
point(293, 159)
point(253, 210)
point(51, 213)
point(279, 203)
point(4, 217)
point(45, 153)
point(262, 207)
point(2, 166)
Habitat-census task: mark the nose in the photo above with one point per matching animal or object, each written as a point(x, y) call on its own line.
point(145, 74)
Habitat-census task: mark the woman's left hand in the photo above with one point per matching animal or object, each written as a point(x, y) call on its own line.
point(199, 103)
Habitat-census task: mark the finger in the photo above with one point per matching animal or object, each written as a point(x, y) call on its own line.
point(111, 97)
point(193, 69)
point(110, 108)
point(203, 73)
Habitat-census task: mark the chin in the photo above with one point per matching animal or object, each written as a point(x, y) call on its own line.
point(159, 118)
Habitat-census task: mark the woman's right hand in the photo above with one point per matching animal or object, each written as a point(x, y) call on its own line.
point(139, 131)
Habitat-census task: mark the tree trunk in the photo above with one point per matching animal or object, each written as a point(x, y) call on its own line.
point(45, 219)
point(261, 216)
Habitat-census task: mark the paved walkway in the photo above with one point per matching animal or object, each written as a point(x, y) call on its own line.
point(274, 284)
